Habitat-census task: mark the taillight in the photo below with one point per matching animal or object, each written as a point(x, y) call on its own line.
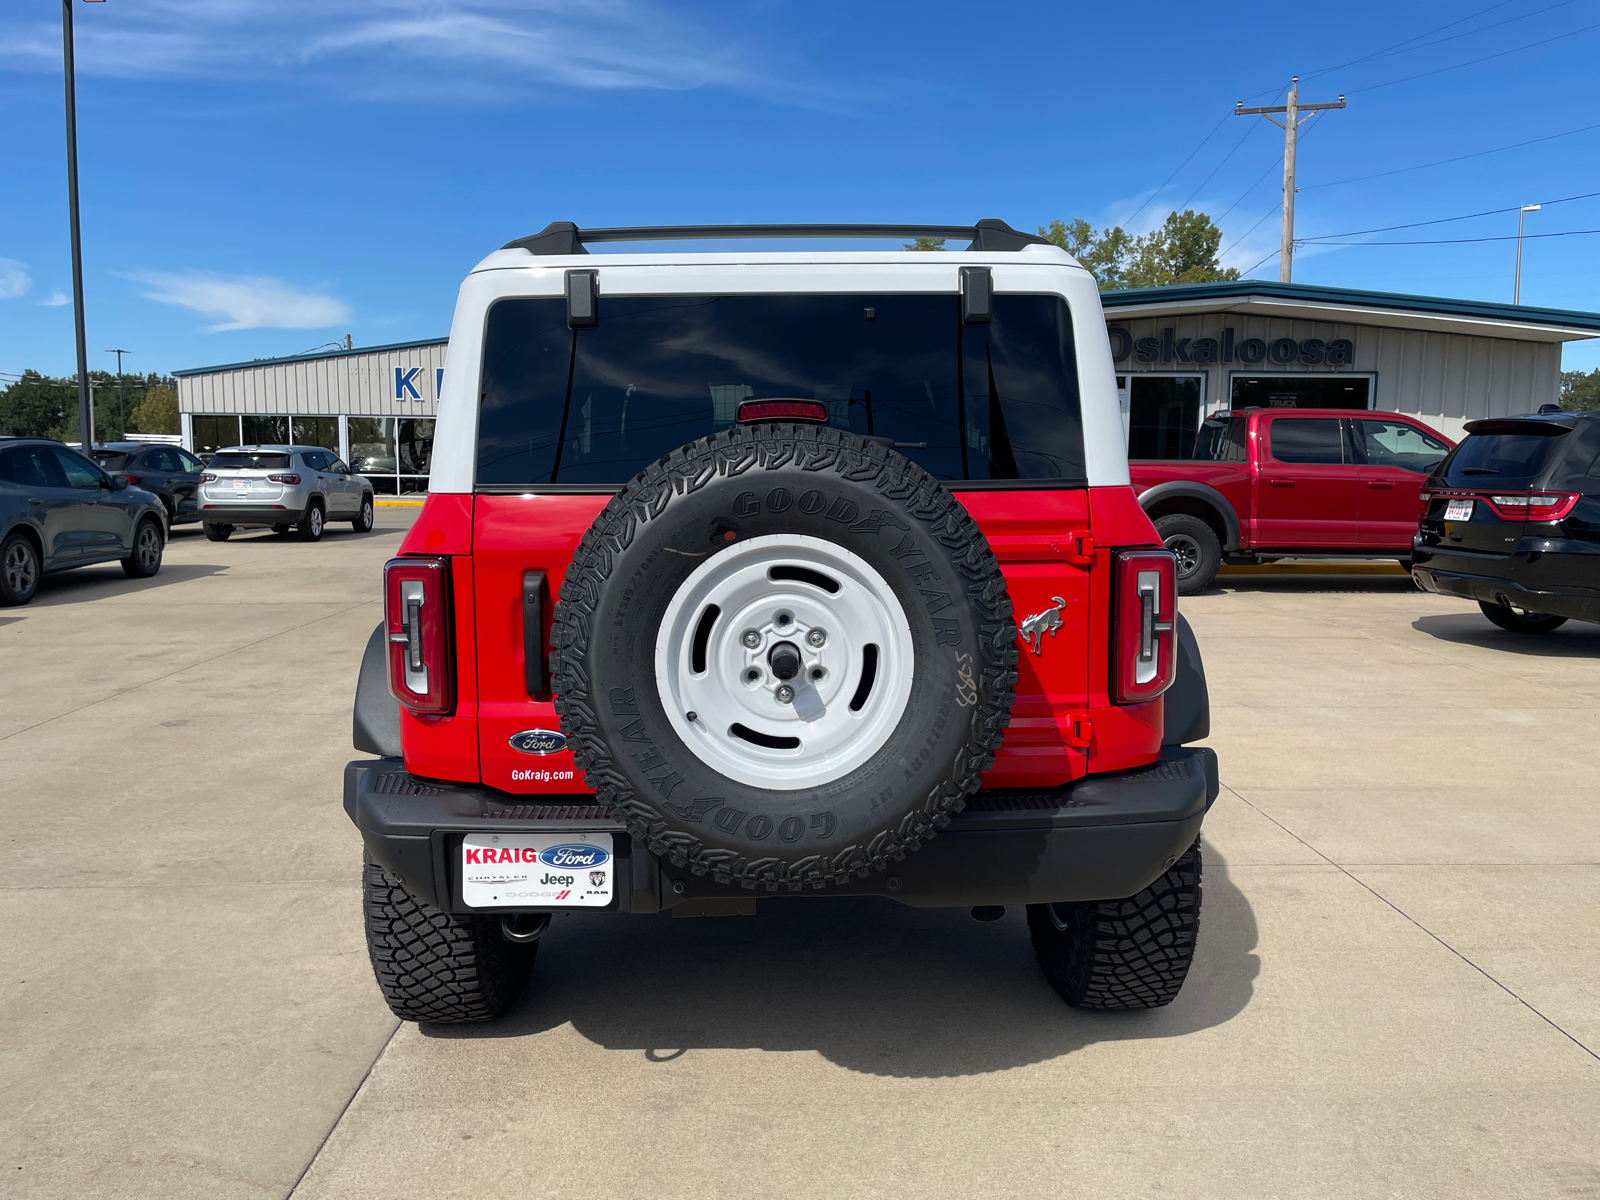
point(1534, 506)
point(134, 480)
point(1145, 613)
point(417, 617)
point(207, 477)
point(1423, 500)
point(782, 410)
point(289, 479)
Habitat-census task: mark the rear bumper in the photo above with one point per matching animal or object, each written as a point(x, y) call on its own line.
point(251, 514)
point(1102, 838)
point(1578, 603)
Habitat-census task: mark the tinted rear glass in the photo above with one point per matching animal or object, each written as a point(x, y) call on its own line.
point(29, 466)
point(594, 406)
point(232, 460)
point(112, 460)
point(1307, 440)
point(1221, 439)
point(1502, 459)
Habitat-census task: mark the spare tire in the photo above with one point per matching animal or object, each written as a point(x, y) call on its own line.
point(785, 655)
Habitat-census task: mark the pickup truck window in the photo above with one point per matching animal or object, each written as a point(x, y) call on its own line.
point(1163, 413)
point(1396, 444)
point(1307, 440)
point(1222, 439)
point(595, 405)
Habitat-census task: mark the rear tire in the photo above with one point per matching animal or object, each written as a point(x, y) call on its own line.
point(311, 527)
point(1198, 551)
point(280, 530)
point(364, 520)
point(145, 560)
point(20, 570)
point(1520, 620)
point(433, 966)
point(1123, 954)
point(218, 533)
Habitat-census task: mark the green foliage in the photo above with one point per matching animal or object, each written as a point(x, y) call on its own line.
point(1182, 250)
point(158, 411)
point(925, 244)
point(1580, 391)
point(38, 405)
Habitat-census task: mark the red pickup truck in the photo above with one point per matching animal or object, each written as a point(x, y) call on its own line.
point(1267, 483)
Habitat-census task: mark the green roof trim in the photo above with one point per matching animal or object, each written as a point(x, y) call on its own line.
point(313, 356)
point(1311, 293)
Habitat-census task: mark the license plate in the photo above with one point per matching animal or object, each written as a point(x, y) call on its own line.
point(537, 870)
point(1458, 510)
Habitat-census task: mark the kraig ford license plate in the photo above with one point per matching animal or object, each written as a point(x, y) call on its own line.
point(537, 870)
point(1458, 510)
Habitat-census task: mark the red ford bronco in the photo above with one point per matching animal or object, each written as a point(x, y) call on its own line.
point(779, 574)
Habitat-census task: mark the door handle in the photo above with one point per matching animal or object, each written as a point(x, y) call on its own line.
point(1378, 483)
point(1280, 482)
point(535, 603)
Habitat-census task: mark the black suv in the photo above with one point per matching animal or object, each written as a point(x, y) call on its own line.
point(1511, 519)
point(170, 472)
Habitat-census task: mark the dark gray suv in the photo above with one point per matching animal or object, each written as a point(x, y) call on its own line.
point(58, 510)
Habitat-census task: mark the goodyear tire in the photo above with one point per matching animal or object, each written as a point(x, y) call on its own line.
point(785, 655)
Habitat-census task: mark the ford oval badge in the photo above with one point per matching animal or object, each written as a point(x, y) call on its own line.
point(538, 741)
point(573, 855)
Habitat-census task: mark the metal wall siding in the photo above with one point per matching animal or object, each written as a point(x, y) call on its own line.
point(359, 385)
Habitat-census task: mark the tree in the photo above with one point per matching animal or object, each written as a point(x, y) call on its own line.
point(158, 411)
point(1580, 391)
point(1182, 250)
point(36, 405)
point(926, 244)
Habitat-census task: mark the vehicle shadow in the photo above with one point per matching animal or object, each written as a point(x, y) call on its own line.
point(868, 984)
point(1575, 639)
point(109, 579)
point(1393, 585)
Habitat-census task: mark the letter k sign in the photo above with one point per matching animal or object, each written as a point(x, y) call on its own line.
point(405, 381)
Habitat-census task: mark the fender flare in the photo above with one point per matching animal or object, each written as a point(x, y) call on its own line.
point(1191, 489)
point(375, 722)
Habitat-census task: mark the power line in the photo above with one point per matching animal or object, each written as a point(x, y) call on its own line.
point(1396, 47)
point(1372, 87)
point(1403, 48)
point(1175, 171)
point(1488, 212)
point(1251, 129)
point(1510, 237)
point(1443, 161)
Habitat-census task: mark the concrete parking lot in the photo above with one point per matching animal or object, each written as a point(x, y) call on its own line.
point(1396, 994)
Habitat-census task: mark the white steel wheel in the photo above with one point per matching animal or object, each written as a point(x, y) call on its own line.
point(784, 662)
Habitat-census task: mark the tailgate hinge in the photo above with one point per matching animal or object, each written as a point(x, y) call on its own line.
point(1078, 730)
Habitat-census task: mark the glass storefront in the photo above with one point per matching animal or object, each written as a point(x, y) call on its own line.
point(316, 431)
point(395, 453)
point(1301, 391)
point(1164, 415)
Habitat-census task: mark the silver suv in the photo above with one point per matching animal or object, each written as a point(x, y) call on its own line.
point(284, 487)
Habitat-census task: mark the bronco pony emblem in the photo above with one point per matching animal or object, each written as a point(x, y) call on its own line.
point(1035, 627)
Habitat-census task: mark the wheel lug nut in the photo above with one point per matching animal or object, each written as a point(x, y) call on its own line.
point(750, 638)
point(816, 637)
point(785, 694)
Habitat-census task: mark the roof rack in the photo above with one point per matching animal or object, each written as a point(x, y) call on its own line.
point(563, 237)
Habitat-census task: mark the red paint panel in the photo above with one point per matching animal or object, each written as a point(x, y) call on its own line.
point(444, 526)
point(1118, 520)
point(447, 747)
point(511, 535)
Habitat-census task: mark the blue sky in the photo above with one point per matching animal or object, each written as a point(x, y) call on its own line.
point(261, 178)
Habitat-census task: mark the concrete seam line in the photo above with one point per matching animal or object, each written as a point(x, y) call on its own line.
point(317, 1153)
point(180, 670)
point(1380, 896)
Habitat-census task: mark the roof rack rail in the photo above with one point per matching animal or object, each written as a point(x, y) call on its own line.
point(563, 237)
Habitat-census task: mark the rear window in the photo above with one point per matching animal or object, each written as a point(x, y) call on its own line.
point(1512, 459)
point(1221, 439)
point(112, 460)
point(235, 460)
point(1307, 440)
point(594, 406)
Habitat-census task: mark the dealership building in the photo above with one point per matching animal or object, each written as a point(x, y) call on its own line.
point(1181, 354)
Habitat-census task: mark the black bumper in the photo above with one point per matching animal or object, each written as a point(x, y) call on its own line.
point(1102, 838)
point(250, 514)
point(1578, 603)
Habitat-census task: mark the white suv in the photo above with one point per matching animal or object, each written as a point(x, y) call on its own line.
point(283, 487)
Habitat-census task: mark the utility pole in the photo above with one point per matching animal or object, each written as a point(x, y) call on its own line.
point(122, 420)
point(85, 400)
point(1516, 286)
point(1292, 120)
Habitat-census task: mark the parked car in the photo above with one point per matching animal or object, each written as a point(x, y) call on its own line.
point(283, 487)
point(1511, 519)
point(170, 472)
point(824, 627)
point(1273, 482)
point(58, 511)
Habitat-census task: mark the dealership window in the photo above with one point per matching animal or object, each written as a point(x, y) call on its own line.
point(1301, 391)
point(372, 451)
point(211, 432)
point(413, 453)
point(264, 429)
point(316, 431)
point(1164, 415)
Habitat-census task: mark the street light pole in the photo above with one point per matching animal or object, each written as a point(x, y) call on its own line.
point(1516, 287)
point(122, 420)
point(85, 400)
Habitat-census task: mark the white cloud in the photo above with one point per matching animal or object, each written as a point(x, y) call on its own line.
point(247, 301)
point(14, 279)
point(56, 300)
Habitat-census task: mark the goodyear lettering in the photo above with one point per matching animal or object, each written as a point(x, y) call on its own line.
point(633, 731)
point(906, 547)
point(728, 819)
point(922, 573)
point(937, 601)
point(876, 520)
point(792, 829)
point(779, 499)
point(664, 780)
point(843, 510)
point(623, 704)
point(745, 505)
point(813, 502)
point(946, 632)
point(696, 810)
point(826, 822)
point(758, 828)
point(649, 759)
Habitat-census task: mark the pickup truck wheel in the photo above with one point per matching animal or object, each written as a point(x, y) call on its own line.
point(1196, 548)
point(1122, 954)
point(217, 532)
point(1520, 620)
point(785, 655)
point(432, 966)
point(145, 560)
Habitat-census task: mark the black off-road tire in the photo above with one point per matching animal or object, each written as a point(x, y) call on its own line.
point(772, 480)
point(315, 522)
point(1520, 620)
point(366, 518)
point(1122, 954)
point(432, 966)
point(1198, 552)
point(217, 532)
point(148, 543)
point(20, 570)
